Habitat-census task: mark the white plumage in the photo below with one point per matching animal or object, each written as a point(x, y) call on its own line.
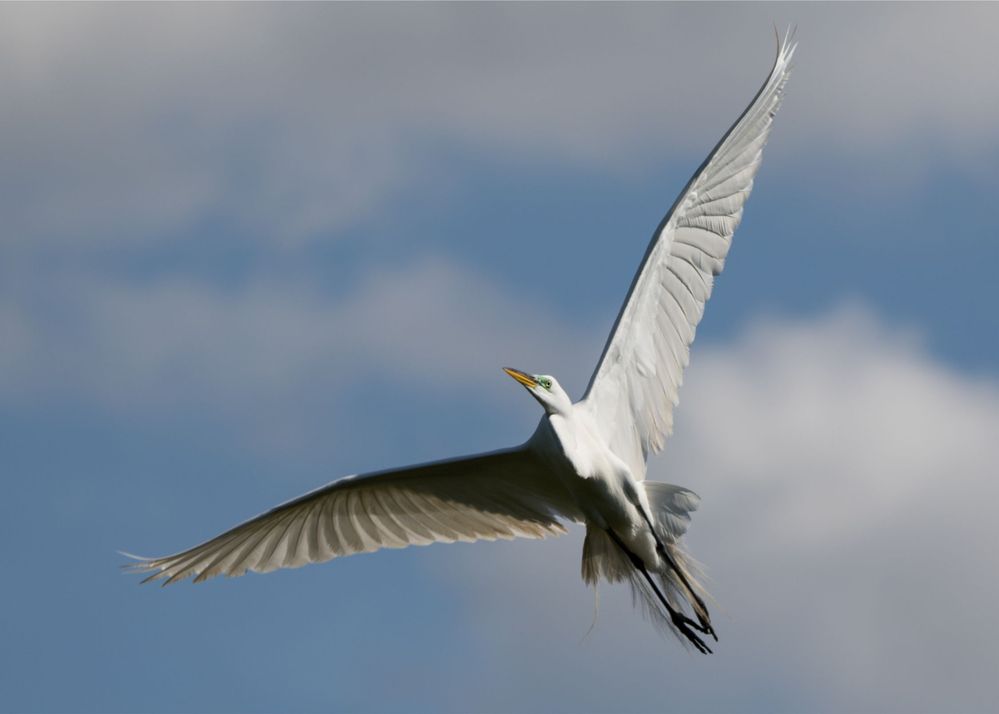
point(503, 494)
point(636, 385)
point(585, 462)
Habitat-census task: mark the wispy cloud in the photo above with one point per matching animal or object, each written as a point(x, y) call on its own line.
point(124, 123)
point(156, 347)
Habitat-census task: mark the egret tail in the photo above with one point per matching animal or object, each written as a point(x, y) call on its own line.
point(663, 590)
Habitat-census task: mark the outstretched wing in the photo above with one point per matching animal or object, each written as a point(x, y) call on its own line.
point(503, 494)
point(635, 386)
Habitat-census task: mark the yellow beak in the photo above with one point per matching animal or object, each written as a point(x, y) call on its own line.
point(522, 377)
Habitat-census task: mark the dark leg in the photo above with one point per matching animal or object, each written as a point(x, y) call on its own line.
point(705, 620)
point(680, 621)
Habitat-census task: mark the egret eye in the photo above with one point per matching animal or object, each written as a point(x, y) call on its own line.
point(546, 383)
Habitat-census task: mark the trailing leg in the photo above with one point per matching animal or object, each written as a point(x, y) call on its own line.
point(700, 609)
point(681, 622)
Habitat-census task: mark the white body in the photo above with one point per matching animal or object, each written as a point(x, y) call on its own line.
point(605, 491)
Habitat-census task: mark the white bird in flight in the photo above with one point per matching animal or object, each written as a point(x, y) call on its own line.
point(586, 460)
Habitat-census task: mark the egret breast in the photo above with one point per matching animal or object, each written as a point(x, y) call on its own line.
point(600, 482)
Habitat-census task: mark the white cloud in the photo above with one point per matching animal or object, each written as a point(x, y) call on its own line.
point(849, 485)
point(265, 351)
point(291, 122)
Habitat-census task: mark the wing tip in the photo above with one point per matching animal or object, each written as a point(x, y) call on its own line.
point(153, 568)
point(786, 47)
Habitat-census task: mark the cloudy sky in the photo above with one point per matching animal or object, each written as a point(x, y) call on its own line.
point(249, 249)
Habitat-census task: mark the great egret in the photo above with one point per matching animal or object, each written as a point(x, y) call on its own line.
point(585, 461)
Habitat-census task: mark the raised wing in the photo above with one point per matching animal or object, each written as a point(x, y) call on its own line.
point(503, 494)
point(635, 386)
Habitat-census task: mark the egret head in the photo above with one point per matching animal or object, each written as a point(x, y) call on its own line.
point(545, 389)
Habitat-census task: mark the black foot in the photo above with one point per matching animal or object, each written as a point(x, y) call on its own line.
point(684, 625)
point(703, 626)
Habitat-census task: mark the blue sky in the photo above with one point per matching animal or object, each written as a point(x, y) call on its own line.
point(250, 249)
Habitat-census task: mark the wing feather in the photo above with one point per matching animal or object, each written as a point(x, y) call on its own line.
point(636, 384)
point(503, 494)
